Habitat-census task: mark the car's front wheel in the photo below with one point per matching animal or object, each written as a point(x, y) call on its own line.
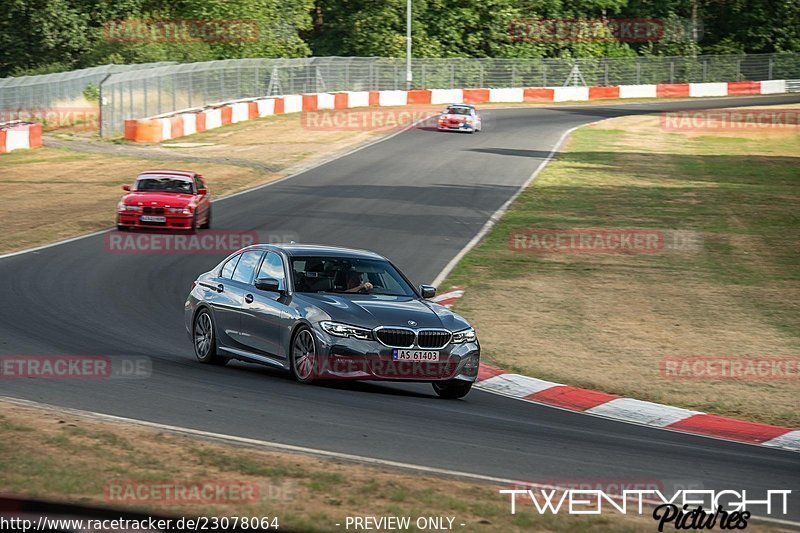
point(304, 355)
point(452, 389)
point(204, 339)
point(207, 223)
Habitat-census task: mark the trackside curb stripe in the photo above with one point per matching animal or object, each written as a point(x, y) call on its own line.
point(496, 380)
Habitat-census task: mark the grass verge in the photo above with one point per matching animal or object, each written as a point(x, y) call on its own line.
point(68, 457)
point(726, 283)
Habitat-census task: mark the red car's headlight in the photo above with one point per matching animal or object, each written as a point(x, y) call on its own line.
point(128, 208)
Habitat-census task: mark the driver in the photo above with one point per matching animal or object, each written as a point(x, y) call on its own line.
point(356, 283)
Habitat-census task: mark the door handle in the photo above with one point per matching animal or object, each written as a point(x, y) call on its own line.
point(248, 298)
point(220, 287)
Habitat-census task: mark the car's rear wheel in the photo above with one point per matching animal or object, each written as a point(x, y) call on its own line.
point(304, 355)
point(204, 339)
point(452, 389)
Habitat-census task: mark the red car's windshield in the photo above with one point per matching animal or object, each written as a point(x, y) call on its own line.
point(164, 184)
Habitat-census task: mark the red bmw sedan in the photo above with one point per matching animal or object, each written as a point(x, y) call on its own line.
point(171, 199)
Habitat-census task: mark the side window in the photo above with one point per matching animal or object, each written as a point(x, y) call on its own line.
point(272, 267)
point(227, 268)
point(247, 265)
point(199, 183)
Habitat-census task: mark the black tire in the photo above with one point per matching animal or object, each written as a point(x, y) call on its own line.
point(194, 223)
point(303, 355)
point(122, 228)
point(204, 339)
point(453, 389)
point(207, 223)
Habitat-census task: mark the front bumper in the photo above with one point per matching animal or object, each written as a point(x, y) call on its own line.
point(348, 358)
point(133, 220)
point(454, 127)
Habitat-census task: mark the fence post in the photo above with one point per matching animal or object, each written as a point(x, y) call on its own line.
point(100, 103)
point(544, 74)
point(638, 72)
point(769, 75)
point(158, 98)
point(452, 75)
point(146, 95)
point(738, 70)
point(605, 73)
point(672, 71)
point(481, 80)
point(705, 69)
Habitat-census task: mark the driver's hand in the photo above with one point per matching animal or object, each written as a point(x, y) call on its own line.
point(366, 285)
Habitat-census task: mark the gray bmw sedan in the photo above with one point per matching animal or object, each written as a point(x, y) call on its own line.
point(329, 313)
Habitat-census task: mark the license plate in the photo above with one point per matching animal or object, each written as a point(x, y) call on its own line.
point(152, 218)
point(414, 355)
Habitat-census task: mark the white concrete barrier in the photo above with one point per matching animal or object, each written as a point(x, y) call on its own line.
point(447, 96)
point(266, 107)
point(392, 98)
point(189, 123)
point(566, 94)
point(240, 112)
point(708, 89)
point(773, 86)
point(213, 118)
point(325, 101)
point(357, 98)
point(293, 103)
point(638, 91)
point(18, 139)
point(506, 95)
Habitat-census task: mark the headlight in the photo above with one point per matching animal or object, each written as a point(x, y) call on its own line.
point(465, 335)
point(345, 330)
point(179, 210)
point(123, 207)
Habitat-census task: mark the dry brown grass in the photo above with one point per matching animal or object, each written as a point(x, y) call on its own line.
point(606, 321)
point(50, 194)
point(69, 457)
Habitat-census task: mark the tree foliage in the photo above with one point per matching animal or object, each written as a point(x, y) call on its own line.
point(38, 36)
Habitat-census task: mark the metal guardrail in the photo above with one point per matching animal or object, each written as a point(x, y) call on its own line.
point(793, 86)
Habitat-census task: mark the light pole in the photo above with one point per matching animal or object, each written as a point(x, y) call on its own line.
point(409, 76)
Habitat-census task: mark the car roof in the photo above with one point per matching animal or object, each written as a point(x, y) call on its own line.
point(462, 105)
point(318, 250)
point(184, 173)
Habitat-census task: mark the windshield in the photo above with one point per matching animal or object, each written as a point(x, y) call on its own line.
point(164, 184)
point(458, 111)
point(348, 275)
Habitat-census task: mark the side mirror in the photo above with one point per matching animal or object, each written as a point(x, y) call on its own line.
point(126, 187)
point(268, 284)
point(202, 192)
point(427, 291)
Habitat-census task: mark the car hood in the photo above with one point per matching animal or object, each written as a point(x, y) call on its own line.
point(160, 199)
point(371, 311)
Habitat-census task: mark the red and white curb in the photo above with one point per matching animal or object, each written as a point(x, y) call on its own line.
point(616, 407)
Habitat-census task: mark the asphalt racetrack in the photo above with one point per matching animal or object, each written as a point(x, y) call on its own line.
point(417, 198)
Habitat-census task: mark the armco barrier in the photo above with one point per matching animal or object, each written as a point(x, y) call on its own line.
point(189, 121)
point(18, 135)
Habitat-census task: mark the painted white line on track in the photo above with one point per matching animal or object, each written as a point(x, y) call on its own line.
point(497, 215)
point(244, 441)
point(296, 172)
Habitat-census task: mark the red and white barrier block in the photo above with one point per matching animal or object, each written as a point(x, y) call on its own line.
point(18, 135)
point(178, 124)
